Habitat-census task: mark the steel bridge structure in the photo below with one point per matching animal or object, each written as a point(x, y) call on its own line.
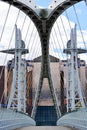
point(44, 20)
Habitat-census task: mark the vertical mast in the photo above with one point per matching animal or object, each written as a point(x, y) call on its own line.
point(74, 93)
point(17, 99)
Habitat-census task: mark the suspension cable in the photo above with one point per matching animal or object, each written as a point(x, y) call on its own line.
point(14, 28)
point(60, 33)
point(64, 32)
point(8, 48)
point(79, 26)
point(30, 36)
point(33, 45)
point(68, 19)
point(36, 51)
point(27, 31)
point(5, 22)
point(23, 22)
point(57, 41)
point(64, 28)
point(52, 40)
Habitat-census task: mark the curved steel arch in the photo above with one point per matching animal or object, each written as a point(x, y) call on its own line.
point(59, 9)
point(28, 7)
point(38, 15)
point(44, 20)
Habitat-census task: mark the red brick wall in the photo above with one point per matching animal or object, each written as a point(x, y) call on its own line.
point(29, 91)
point(2, 71)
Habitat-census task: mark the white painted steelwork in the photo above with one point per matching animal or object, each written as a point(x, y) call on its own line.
point(17, 99)
point(44, 20)
point(74, 93)
point(11, 120)
point(76, 119)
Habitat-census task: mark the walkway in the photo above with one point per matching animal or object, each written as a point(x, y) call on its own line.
point(45, 128)
point(10, 120)
point(76, 119)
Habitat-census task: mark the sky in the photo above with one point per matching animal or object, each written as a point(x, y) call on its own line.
point(45, 3)
point(81, 10)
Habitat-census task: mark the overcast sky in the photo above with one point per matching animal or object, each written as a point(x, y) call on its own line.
point(81, 10)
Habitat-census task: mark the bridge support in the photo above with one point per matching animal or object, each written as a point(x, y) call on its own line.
point(45, 73)
point(74, 93)
point(17, 98)
point(44, 20)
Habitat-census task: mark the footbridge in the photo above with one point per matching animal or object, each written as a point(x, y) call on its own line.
point(10, 120)
point(76, 119)
point(45, 22)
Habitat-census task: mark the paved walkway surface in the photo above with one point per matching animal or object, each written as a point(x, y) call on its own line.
point(45, 128)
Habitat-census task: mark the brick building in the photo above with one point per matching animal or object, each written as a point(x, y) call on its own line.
point(3, 85)
point(33, 74)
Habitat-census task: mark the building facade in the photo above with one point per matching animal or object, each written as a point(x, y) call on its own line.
point(32, 80)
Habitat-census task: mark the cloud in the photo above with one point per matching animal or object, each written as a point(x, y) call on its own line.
point(79, 11)
point(59, 36)
point(30, 34)
point(2, 46)
point(82, 39)
point(57, 43)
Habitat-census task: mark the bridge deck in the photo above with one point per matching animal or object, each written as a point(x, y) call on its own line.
point(45, 128)
point(10, 120)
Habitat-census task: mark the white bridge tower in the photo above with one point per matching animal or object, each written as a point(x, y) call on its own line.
point(74, 93)
point(17, 99)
